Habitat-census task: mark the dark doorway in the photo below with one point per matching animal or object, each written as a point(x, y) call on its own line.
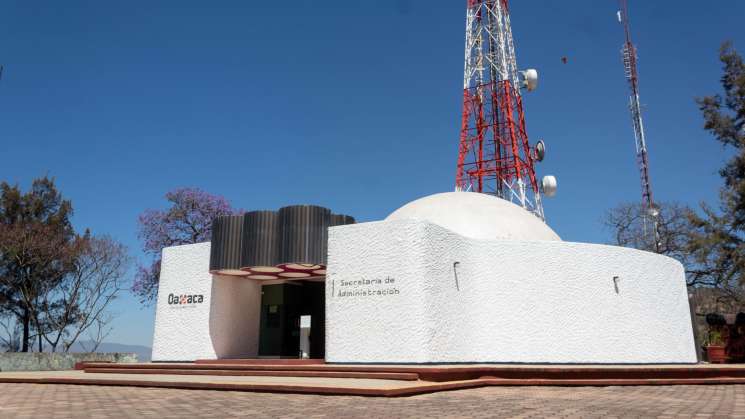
point(281, 308)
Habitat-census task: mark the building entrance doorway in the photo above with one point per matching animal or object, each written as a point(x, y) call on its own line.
point(284, 310)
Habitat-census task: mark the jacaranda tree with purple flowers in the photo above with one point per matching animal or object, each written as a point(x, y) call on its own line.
point(188, 220)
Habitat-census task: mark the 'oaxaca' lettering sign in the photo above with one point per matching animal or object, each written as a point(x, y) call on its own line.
point(185, 299)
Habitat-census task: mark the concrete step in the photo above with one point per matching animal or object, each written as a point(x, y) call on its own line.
point(257, 373)
point(437, 373)
point(320, 385)
point(261, 361)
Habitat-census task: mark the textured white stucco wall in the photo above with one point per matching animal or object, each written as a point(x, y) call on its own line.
point(224, 325)
point(512, 301)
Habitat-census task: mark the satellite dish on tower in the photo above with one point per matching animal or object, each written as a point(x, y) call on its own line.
point(548, 185)
point(530, 79)
point(540, 150)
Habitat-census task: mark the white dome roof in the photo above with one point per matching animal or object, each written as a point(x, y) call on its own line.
point(478, 216)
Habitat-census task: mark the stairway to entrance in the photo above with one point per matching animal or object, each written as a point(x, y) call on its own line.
point(313, 376)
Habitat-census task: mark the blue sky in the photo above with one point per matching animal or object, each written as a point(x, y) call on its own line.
point(354, 105)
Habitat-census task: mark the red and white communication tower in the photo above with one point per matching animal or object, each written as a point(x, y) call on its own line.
point(629, 63)
point(494, 155)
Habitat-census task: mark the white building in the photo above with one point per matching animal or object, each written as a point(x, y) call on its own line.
point(450, 278)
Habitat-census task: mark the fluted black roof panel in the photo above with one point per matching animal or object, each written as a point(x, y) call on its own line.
point(262, 238)
point(227, 239)
point(294, 234)
point(304, 234)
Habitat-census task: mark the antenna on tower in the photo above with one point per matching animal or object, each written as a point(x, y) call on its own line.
point(494, 155)
point(628, 53)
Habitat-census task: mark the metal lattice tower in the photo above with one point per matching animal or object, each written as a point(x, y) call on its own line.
point(494, 155)
point(628, 53)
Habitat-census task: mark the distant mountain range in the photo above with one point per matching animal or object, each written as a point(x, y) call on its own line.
point(143, 352)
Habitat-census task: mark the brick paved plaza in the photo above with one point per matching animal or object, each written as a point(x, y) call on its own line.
point(63, 401)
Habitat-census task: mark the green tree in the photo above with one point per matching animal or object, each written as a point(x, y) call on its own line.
point(38, 248)
point(717, 244)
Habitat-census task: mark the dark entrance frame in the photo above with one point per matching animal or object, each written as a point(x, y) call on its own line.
point(286, 250)
point(281, 308)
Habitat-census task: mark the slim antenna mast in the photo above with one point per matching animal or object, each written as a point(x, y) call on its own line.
point(628, 52)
